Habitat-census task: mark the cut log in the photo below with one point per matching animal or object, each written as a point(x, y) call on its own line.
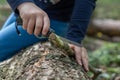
point(41, 62)
point(106, 29)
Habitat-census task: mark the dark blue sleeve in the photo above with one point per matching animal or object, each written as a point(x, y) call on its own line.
point(15, 3)
point(80, 19)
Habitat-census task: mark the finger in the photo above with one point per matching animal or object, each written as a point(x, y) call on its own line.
point(46, 25)
point(71, 46)
point(85, 59)
point(39, 25)
point(25, 23)
point(78, 56)
point(31, 25)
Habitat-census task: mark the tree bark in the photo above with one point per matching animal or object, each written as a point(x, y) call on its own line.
point(107, 27)
point(41, 62)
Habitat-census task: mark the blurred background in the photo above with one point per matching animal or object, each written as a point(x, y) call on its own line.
point(102, 40)
point(4, 11)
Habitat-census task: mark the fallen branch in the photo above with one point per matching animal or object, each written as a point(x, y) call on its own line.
point(107, 27)
point(57, 42)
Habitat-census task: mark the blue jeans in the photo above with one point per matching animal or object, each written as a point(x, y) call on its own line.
point(11, 42)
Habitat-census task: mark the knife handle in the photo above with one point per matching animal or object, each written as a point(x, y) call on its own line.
point(19, 21)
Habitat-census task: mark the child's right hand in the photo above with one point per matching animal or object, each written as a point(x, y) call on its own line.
point(35, 20)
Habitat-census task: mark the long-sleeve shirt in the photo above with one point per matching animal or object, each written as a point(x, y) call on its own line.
point(77, 12)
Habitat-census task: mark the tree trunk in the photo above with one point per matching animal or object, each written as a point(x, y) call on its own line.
point(107, 29)
point(41, 62)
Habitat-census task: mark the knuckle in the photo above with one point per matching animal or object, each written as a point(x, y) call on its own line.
point(39, 13)
point(24, 16)
point(38, 27)
point(45, 30)
point(32, 12)
point(45, 14)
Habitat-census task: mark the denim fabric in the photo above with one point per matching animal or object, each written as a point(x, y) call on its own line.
point(11, 42)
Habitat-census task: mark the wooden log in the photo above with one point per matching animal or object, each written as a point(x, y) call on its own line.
point(108, 27)
point(41, 62)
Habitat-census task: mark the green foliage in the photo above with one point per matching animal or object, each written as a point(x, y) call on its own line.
point(106, 55)
point(114, 70)
point(108, 9)
point(3, 2)
point(4, 11)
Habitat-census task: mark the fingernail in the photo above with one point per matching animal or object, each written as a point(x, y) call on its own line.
point(87, 69)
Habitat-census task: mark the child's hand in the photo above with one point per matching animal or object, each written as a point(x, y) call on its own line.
point(35, 20)
point(81, 56)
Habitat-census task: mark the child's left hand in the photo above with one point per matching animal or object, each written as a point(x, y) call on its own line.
point(80, 55)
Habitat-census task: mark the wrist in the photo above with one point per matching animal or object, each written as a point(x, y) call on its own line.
point(21, 6)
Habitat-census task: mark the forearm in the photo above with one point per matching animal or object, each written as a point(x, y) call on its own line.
point(80, 19)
